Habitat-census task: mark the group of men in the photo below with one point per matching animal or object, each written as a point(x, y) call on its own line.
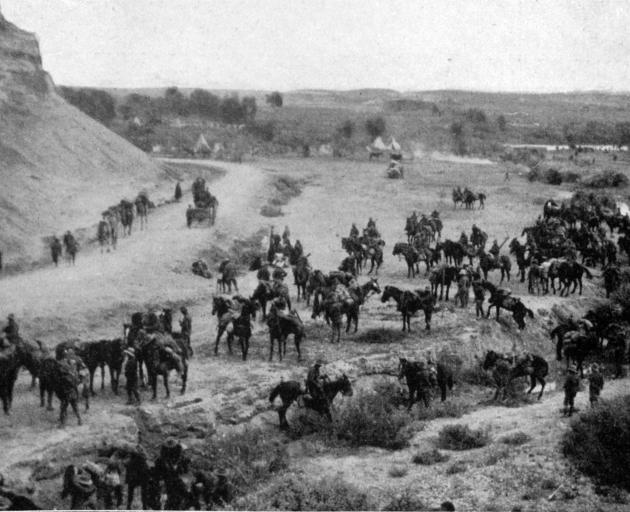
point(572, 386)
point(69, 242)
point(369, 231)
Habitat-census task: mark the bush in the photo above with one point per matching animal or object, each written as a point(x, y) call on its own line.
point(462, 437)
point(570, 177)
point(598, 442)
point(405, 501)
point(375, 126)
point(269, 210)
point(457, 467)
point(430, 457)
point(249, 457)
point(515, 439)
point(297, 493)
point(347, 129)
point(371, 419)
point(607, 179)
point(398, 471)
point(553, 177)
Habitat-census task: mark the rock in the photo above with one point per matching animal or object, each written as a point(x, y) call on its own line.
point(190, 420)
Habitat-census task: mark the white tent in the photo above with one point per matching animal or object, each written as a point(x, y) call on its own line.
point(379, 144)
point(325, 150)
point(394, 146)
point(201, 146)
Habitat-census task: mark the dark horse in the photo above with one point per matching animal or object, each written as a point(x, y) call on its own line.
point(161, 356)
point(243, 326)
point(59, 377)
point(410, 302)
point(506, 369)
point(291, 390)
point(570, 273)
point(302, 273)
point(266, 292)
point(442, 276)
point(578, 345)
point(488, 263)
point(10, 362)
point(280, 328)
point(419, 379)
point(500, 298)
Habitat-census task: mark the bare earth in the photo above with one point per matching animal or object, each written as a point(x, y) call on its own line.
point(152, 268)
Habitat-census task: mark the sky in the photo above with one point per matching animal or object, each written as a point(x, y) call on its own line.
point(492, 45)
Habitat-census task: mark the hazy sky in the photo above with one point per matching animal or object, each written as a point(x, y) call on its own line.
point(524, 45)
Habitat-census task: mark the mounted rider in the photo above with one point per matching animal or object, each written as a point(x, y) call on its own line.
point(495, 250)
point(354, 231)
point(11, 330)
point(185, 326)
point(315, 383)
point(171, 465)
point(463, 239)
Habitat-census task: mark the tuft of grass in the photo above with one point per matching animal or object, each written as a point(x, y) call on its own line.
point(430, 457)
point(598, 442)
point(515, 439)
point(457, 467)
point(495, 455)
point(398, 471)
point(462, 437)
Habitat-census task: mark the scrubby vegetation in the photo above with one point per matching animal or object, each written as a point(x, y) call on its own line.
point(606, 179)
point(430, 457)
point(293, 492)
point(598, 442)
point(371, 419)
point(462, 437)
point(407, 500)
point(284, 189)
point(515, 439)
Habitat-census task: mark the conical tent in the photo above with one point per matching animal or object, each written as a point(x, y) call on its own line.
point(379, 144)
point(394, 146)
point(201, 146)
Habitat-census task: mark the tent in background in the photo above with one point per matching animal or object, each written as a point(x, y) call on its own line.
point(201, 146)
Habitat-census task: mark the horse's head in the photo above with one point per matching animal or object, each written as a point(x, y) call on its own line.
point(346, 389)
point(387, 294)
point(372, 285)
point(490, 360)
point(402, 367)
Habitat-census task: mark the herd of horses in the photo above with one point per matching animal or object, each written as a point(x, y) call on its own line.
point(467, 198)
point(119, 218)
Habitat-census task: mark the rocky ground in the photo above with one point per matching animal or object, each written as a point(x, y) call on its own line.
point(152, 268)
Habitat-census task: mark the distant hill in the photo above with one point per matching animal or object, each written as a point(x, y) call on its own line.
point(59, 168)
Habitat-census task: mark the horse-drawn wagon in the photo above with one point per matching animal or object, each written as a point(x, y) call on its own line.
point(205, 204)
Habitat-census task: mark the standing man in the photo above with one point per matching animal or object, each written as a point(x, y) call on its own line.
point(185, 325)
point(595, 384)
point(131, 376)
point(55, 250)
point(12, 330)
point(479, 293)
point(571, 388)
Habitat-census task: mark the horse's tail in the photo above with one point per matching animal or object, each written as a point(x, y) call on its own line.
point(275, 392)
point(529, 312)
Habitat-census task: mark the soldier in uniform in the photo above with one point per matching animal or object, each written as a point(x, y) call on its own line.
point(495, 250)
point(185, 325)
point(595, 384)
point(571, 388)
point(131, 376)
point(315, 382)
point(12, 330)
point(479, 293)
point(354, 231)
point(55, 250)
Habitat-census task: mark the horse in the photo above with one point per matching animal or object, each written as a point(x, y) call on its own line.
point(266, 291)
point(161, 354)
point(536, 279)
point(419, 379)
point(412, 257)
point(142, 210)
point(410, 302)
point(126, 216)
point(242, 325)
point(62, 379)
point(97, 354)
point(458, 197)
point(359, 294)
point(521, 260)
point(501, 298)
point(506, 369)
point(301, 275)
point(355, 248)
point(375, 255)
point(31, 356)
point(442, 276)
point(280, 328)
point(570, 272)
point(487, 263)
point(104, 235)
point(222, 307)
point(228, 273)
point(289, 391)
point(453, 252)
point(577, 346)
point(612, 279)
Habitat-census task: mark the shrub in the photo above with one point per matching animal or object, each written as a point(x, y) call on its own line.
point(447, 409)
point(457, 467)
point(607, 179)
point(371, 419)
point(430, 457)
point(398, 471)
point(250, 457)
point(298, 493)
point(515, 439)
point(462, 437)
point(570, 177)
point(553, 177)
point(621, 296)
point(598, 442)
point(405, 501)
point(375, 126)
point(347, 129)
point(269, 210)
point(263, 130)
